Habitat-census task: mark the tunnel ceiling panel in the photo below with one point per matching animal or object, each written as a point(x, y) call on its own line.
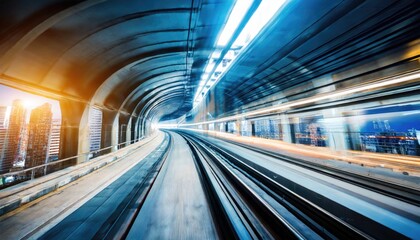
point(309, 39)
point(108, 51)
point(123, 54)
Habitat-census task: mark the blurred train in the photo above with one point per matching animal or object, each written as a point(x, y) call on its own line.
point(393, 129)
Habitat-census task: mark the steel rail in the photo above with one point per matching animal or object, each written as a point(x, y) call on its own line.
point(264, 220)
point(391, 189)
point(323, 222)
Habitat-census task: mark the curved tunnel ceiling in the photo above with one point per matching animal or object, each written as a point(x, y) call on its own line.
point(310, 39)
point(121, 55)
point(145, 58)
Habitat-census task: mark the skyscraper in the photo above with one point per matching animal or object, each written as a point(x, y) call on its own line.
point(3, 116)
point(39, 137)
point(55, 139)
point(3, 130)
point(95, 126)
point(15, 137)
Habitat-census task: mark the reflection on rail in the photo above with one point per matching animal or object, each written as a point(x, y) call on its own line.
point(300, 201)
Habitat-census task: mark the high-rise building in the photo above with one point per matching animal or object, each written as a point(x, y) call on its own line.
point(3, 116)
point(95, 127)
point(14, 145)
point(3, 130)
point(55, 139)
point(39, 137)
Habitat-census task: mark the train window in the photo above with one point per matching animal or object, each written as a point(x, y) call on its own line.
point(392, 129)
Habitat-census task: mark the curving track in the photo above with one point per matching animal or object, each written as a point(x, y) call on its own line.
point(176, 206)
point(203, 188)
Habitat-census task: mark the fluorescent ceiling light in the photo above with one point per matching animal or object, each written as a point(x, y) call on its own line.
point(259, 19)
point(262, 15)
point(204, 76)
point(235, 18)
point(210, 66)
point(216, 54)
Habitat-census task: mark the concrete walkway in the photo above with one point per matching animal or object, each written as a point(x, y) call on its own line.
point(68, 190)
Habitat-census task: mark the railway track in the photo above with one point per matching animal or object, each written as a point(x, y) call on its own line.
point(391, 189)
point(196, 188)
point(266, 221)
point(238, 211)
point(325, 217)
point(247, 215)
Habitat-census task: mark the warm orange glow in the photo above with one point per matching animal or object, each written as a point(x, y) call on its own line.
point(28, 104)
point(30, 101)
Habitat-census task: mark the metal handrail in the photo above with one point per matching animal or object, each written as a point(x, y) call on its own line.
point(45, 165)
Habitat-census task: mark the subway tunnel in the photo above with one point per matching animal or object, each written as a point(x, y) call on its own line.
point(339, 78)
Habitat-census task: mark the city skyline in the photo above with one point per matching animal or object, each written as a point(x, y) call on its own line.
point(31, 101)
point(27, 143)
